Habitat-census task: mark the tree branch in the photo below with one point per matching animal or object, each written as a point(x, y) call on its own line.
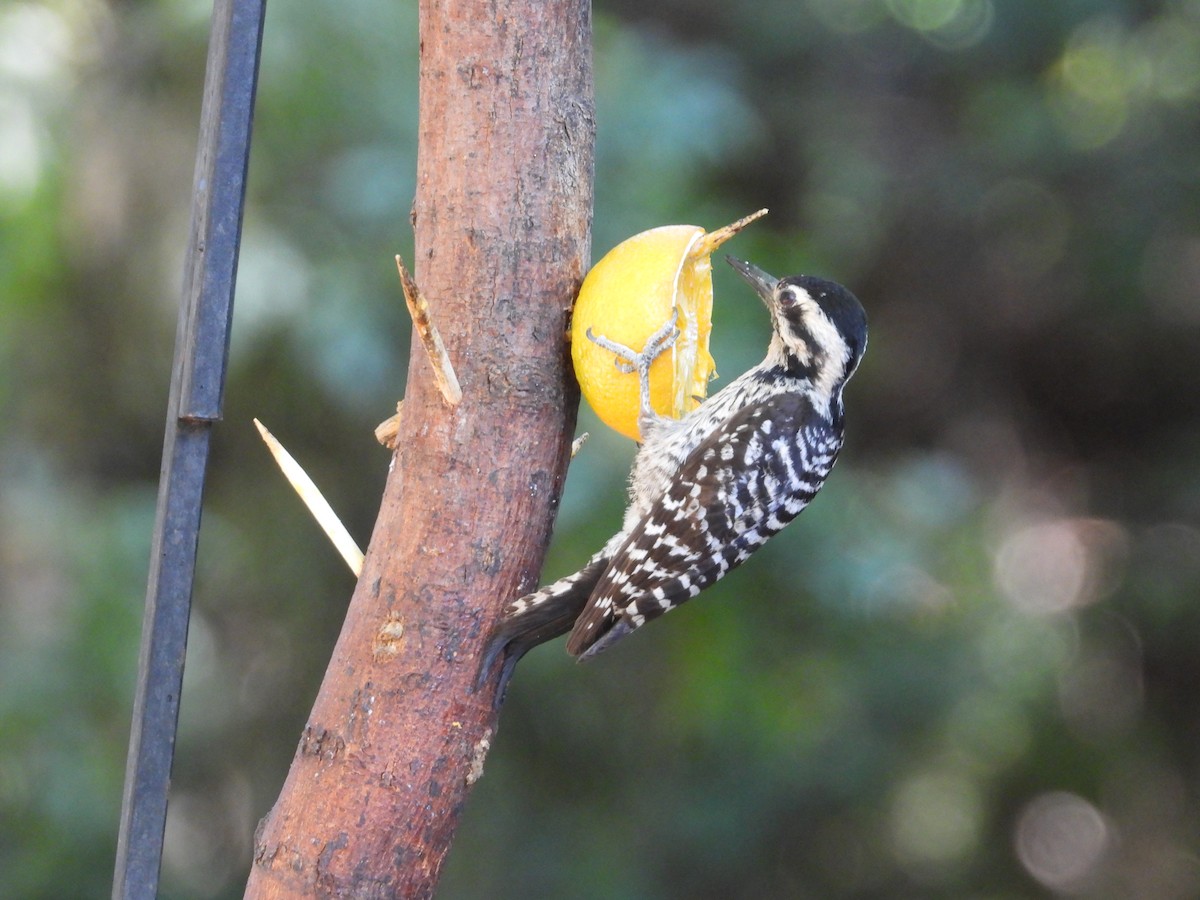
point(502, 213)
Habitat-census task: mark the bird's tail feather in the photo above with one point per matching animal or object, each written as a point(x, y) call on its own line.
point(536, 618)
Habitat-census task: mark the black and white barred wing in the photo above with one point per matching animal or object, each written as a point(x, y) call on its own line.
point(751, 477)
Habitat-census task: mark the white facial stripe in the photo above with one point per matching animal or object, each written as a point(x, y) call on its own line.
point(835, 352)
point(834, 357)
point(803, 300)
point(826, 334)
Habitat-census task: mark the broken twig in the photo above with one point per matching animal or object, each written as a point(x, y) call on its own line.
point(313, 499)
point(387, 432)
point(418, 308)
point(712, 240)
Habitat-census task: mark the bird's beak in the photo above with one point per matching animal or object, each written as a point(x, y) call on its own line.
point(763, 284)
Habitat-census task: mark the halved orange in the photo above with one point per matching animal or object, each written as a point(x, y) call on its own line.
point(626, 297)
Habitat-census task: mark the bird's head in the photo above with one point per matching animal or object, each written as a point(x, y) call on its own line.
point(820, 327)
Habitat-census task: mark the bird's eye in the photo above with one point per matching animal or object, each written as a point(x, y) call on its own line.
point(788, 297)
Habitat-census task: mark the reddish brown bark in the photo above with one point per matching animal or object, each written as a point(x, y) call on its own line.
point(502, 213)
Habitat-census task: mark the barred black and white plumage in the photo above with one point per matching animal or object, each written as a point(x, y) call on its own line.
point(709, 489)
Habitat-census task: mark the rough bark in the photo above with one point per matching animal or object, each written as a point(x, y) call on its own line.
point(502, 213)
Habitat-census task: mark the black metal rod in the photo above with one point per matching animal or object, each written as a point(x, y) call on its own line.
point(197, 390)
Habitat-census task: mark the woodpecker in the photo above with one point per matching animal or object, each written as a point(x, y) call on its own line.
point(709, 489)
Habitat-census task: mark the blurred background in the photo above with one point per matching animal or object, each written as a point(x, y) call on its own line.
point(970, 670)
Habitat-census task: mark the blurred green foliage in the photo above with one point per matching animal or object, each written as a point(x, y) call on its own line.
point(968, 671)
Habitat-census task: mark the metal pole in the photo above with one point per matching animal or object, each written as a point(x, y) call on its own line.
point(197, 388)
